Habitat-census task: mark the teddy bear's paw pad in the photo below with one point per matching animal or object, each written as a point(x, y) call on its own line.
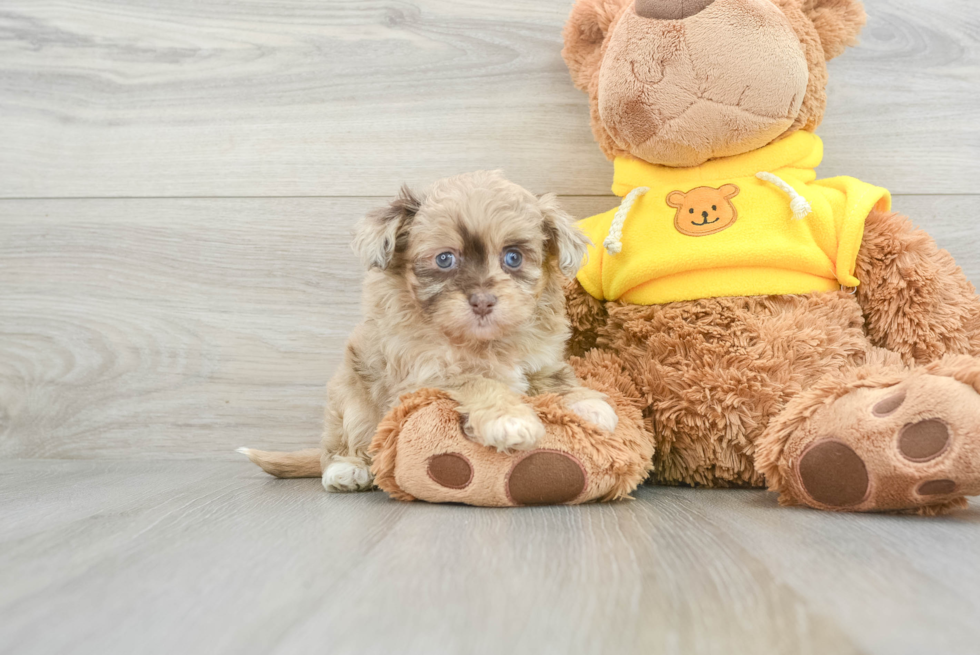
point(923, 441)
point(450, 470)
point(937, 488)
point(913, 445)
point(546, 477)
point(834, 475)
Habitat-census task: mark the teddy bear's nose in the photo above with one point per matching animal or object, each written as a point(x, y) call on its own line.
point(670, 9)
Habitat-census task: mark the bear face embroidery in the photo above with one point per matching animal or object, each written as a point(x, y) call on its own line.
point(704, 210)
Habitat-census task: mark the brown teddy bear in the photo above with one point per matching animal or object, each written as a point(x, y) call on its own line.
point(777, 330)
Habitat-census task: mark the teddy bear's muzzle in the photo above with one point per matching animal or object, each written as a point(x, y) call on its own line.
point(670, 9)
point(681, 92)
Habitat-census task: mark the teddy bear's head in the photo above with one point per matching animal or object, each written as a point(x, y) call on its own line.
point(679, 82)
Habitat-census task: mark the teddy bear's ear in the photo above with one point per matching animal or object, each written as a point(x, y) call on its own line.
point(730, 191)
point(584, 35)
point(676, 199)
point(838, 23)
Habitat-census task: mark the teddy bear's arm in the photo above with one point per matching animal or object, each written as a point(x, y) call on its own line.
point(586, 316)
point(916, 300)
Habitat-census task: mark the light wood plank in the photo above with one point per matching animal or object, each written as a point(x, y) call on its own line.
point(187, 328)
point(197, 557)
point(352, 97)
point(157, 327)
point(882, 572)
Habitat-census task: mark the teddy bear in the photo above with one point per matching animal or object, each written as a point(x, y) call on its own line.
point(778, 330)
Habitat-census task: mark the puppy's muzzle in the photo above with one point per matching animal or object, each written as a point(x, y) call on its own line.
point(482, 303)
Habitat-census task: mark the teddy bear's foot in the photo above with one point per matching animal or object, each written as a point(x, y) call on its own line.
point(421, 452)
point(910, 445)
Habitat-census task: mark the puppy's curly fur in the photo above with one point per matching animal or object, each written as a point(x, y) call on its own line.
point(463, 293)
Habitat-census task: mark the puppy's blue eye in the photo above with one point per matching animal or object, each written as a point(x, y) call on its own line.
point(513, 258)
point(445, 260)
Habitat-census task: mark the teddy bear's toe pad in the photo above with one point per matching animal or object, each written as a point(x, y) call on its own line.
point(546, 477)
point(937, 488)
point(923, 441)
point(916, 444)
point(450, 470)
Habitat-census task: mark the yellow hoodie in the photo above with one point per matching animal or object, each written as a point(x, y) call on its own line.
point(751, 225)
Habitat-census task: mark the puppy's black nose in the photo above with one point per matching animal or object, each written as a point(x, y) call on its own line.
point(482, 303)
point(704, 214)
point(670, 9)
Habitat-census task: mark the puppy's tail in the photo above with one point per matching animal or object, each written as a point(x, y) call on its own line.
point(298, 464)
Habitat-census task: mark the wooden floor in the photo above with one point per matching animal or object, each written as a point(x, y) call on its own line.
point(211, 557)
point(177, 184)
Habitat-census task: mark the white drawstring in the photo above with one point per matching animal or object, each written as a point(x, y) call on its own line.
point(614, 242)
point(801, 208)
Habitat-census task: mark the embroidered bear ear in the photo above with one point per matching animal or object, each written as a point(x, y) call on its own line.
point(838, 23)
point(676, 199)
point(729, 191)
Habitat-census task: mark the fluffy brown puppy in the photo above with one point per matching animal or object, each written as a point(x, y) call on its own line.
point(464, 294)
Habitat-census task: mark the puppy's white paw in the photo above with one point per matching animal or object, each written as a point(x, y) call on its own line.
point(520, 431)
point(347, 476)
point(598, 411)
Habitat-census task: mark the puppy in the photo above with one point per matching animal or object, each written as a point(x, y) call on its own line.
point(463, 293)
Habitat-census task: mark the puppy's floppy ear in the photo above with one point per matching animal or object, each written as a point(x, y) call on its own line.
point(838, 23)
point(584, 35)
point(564, 240)
point(383, 231)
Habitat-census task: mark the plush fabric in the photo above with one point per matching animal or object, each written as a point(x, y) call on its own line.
point(750, 243)
point(884, 419)
point(682, 92)
point(822, 30)
point(710, 374)
point(420, 452)
point(699, 90)
point(916, 300)
point(721, 380)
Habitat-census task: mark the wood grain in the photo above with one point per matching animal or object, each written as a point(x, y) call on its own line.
point(351, 97)
point(187, 328)
point(197, 557)
point(171, 326)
